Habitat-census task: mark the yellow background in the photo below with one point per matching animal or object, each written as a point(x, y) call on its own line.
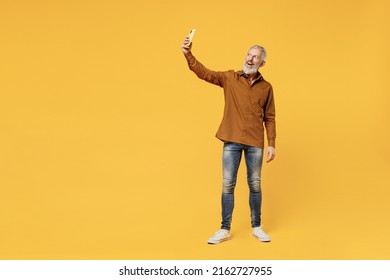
point(107, 147)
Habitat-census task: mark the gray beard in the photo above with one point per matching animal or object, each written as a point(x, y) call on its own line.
point(249, 71)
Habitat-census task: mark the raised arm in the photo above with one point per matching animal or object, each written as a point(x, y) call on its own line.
point(214, 77)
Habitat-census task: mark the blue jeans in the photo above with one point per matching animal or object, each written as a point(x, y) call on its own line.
point(231, 160)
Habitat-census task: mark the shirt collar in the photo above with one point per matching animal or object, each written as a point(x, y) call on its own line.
point(258, 77)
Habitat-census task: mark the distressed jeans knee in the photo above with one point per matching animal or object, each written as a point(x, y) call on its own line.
point(228, 185)
point(254, 184)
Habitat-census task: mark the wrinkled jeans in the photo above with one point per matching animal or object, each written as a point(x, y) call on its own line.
point(231, 159)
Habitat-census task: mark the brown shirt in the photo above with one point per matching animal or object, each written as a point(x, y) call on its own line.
point(247, 105)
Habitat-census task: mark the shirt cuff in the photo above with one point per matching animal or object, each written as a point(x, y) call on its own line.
point(271, 143)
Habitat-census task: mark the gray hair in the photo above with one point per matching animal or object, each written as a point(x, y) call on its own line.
point(263, 51)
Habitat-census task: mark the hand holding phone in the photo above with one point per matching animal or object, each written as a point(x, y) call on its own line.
point(191, 35)
point(186, 46)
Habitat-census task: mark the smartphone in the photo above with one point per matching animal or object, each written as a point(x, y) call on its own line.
point(191, 35)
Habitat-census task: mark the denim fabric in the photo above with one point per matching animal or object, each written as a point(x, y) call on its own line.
point(231, 159)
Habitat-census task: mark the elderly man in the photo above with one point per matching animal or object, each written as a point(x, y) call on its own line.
point(249, 107)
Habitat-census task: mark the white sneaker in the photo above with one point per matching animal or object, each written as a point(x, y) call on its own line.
point(219, 236)
point(260, 234)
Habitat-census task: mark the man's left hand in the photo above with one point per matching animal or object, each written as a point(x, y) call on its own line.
point(270, 154)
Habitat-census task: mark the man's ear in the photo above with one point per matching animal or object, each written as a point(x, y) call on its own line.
point(262, 63)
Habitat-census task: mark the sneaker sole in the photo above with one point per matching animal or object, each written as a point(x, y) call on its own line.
point(217, 242)
point(266, 240)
